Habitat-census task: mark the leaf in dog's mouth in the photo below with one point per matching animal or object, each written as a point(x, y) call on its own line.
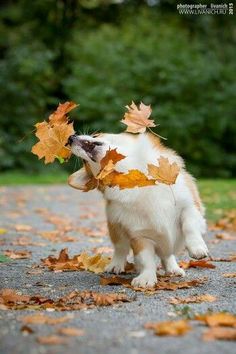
point(53, 135)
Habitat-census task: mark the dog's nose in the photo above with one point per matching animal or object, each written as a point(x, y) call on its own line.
point(71, 139)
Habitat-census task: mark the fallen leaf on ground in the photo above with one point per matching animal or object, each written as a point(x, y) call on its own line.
point(17, 254)
point(3, 231)
point(193, 299)
point(76, 300)
point(169, 328)
point(52, 339)
point(229, 275)
point(53, 135)
point(137, 118)
point(41, 318)
point(25, 241)
point(103, 249)
point(83, 261)
point(202, 263)
point(71, 331)
point(163, 283)
point(218, 319)
point(225, 236)
point(220, 333)
point(166, 172)
point(227, 222)
point(21, 227)
point(26, 330)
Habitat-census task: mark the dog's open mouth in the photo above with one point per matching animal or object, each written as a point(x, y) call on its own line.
point(84, 148)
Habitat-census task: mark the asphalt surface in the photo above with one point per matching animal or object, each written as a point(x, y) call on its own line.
point(116, 329)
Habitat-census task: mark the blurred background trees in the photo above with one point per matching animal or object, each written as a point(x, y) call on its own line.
point(105, 53)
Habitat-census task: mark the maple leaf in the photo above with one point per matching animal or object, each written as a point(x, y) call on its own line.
point(71, 331)
point(193, 299)
point(220, 333)
point(21, 227)
point(218, 319)
point(41, 318)
point(53, 135)
point(137, 118)
point(52, 339)
point(169, 328)
point(202, 263)
point(229, 275)
point(17, 254)
point(165, 172)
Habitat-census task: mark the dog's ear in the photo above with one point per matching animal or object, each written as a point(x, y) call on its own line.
point(80, 178)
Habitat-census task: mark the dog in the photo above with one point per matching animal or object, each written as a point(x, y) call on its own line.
point(158, 220)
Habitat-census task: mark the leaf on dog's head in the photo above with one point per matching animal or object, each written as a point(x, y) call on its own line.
point(165, 172)
point(137, 118)
point(53, 135)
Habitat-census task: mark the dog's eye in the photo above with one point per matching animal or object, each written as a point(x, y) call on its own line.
point(97, 143)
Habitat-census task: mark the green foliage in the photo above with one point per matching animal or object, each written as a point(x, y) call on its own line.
point(103, 55)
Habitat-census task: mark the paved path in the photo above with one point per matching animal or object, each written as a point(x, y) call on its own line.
point(115, 329)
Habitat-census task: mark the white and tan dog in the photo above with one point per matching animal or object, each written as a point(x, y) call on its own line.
point(154, 220)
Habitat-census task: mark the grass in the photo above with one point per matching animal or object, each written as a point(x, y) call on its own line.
point(219, 195)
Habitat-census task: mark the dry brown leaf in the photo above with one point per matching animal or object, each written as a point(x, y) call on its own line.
point(52, 339)
point(137, 118)
point(71, 331)
point(202, 263)
point(26, 330)
point(53, 135)
point(193, 299)
point(163, 283)
point(41, 318)
point(169, 328)
point(227, 222)
point(83, 261)
point(76, 300)
point(17, 254)
point(229, 275)
point(225, 236)
point(220, 333)
point(218, 319)
point(166, 172)
point(111, 155)
point(21, 227)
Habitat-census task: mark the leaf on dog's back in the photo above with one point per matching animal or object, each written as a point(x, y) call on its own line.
point(137, 118)
point(132, 179)
point(111, 155)
point(164, 173)
point(53, 135)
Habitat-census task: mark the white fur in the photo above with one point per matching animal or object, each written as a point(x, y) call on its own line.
point(164, 215)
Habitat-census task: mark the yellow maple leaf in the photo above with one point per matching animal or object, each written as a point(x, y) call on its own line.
point(53, 135)
point(134, 178)
point(165, 172)
point(170, 328)
point(137, 118)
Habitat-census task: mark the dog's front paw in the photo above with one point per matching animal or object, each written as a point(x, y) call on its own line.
point(198, 252)
point(145, 280)
point(175, 272)
point(115, 267)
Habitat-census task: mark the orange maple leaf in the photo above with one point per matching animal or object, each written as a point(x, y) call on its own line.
point(53, 135)
point(165, 172)
point(137, 119)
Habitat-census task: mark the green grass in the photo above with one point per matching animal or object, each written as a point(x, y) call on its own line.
point(219, 195)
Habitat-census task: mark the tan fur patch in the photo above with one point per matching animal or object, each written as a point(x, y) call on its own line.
point(194, 191)
point(137, 245)
point(115, 232)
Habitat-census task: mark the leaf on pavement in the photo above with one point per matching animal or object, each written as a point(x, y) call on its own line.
point(52, 339)
point(3, 231)
point(137, 118)
point(193, 299)
point(17, 254)
point(221, 333)
point(22, 227)
point(83, 261)
point(41, 318)
point(225, 236)
point(53, 135)
point(71, 331)
point(229, 275)
point(165, 173)
point(202, 263)
point(217, 319)
point(169, 328)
